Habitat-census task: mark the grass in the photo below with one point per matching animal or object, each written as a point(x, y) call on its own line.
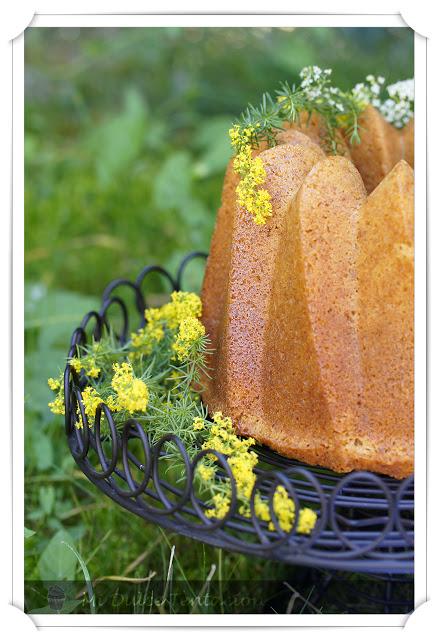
point(125, 150)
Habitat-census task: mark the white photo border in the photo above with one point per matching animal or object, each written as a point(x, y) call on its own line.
point(220, 20)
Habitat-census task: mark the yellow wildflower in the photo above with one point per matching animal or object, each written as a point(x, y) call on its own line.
point(252, 173)
point(242, 462)
point(75, 363)
point(183, 305)
point(262, 207)
point(240, 137)
point(284, 508)
point(244, 510)
point(190, 330)
point(221, 506)
point(88, 363)
point(206, 473)
point(154, 324)
point(242, 465)
point(222, 437)
point(132, 392)
point(93, 371)
point(224, 422)
point(147, 337)
point(57, 406)
point(234, 135)
point(143, 341)
point(261, 508)
point(112, 403)
point(257, 172)
point(91, 401)
point(243, 161)
point(255, 201)
point(198, 424)
point(307, 520)
point(54, 385)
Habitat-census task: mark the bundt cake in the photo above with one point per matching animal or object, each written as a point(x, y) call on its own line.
point(310, 315)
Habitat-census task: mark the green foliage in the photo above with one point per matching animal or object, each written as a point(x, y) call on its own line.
point(57, 562)
point(125, 133)
point(330, 103)
point(213, 142)
point(125, 151)
point(117, 142)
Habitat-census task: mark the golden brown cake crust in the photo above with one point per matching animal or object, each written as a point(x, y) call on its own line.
point(386, 326)
point(241, 300)
point(312, 355)
point(313, 126)
point(407, 135)
point(215, 283)
point(381, 147)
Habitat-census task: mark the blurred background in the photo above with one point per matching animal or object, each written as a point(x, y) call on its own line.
point(125, 149)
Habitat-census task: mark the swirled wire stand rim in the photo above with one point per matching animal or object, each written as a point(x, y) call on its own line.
point(365, 521)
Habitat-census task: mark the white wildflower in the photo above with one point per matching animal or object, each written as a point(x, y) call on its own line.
point(403, 90)
point(397, 108)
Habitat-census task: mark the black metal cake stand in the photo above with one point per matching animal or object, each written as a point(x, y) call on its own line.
point(365, 521)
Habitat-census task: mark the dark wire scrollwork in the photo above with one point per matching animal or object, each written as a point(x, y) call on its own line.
point(365, 521)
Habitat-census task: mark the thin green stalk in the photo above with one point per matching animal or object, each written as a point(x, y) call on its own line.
point(85, 571)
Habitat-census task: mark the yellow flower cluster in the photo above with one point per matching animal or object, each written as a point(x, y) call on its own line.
point(179, 318)
point(242, 461)
point(251, 170)
point(239, 136)
point(132, 392)
point(54, 384)
point(91, 401)
point(190, 330)
point(145, 339)
point(57, 405)
point(198, 424)
point(222, 438)
point(221, 506)
point(284, 508)
point(88, 363)
point(205, 472)
point(183, 305)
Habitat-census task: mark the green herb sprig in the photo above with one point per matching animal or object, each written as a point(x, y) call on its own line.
point(312, 95)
